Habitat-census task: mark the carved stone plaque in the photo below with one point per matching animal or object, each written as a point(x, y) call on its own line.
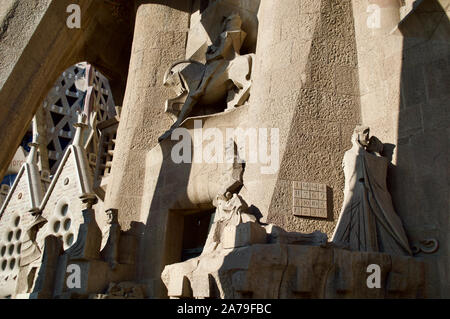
point(310, 199)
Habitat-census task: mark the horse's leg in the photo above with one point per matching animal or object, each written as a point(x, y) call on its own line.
point(185, 111)
point(240, 74)
point(171, 110)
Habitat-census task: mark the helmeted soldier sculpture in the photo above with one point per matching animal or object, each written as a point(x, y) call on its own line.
point(368, 221)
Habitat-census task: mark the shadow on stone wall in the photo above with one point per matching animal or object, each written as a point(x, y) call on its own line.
point(326, 113)
point(419, 181)
point(163, 232)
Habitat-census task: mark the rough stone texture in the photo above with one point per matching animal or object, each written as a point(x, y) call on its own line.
point(159, 39)
point(319, 71)
point(404, 99)
point(305, 84)
point(18, 21)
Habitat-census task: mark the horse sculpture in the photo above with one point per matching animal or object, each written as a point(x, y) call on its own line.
point(226, 74)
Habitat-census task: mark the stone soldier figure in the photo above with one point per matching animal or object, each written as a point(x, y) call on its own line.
point(231, 211)
point(226, 74)
point(110, 252)
point(368, 221)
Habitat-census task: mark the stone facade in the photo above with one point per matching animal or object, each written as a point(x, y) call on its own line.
point(271, 191)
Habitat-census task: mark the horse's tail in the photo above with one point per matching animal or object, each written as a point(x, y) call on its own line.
point(166, 75)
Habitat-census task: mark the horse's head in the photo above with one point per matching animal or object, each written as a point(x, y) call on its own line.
point(232, 23)
point(180, 74)
point(172, 78)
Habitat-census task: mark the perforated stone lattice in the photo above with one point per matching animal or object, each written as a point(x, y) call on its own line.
point(310, 200)
point(61, 106)
point(103, 108)
point(64, 101)
point(10, 246)
point(60, 225)
point(108, 144)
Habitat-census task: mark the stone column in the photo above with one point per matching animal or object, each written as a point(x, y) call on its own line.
point(159, 39)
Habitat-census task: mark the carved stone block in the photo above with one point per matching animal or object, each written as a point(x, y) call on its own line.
point(243, 235)
point(309, 200)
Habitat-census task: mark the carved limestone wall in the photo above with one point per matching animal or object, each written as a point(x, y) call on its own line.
point(244, 259)
point(309, 69)
point(291, 271)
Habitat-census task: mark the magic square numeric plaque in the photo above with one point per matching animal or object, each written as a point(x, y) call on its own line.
point(310, 200)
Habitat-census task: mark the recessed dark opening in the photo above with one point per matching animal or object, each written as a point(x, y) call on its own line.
point(59, 103)
point(71, 100)
point(56, 118)
point(64, 142)
point(51, 163)
point(195, 233)
point(66, 127)
point(51, 146)
point(73, 89)
point(210, 109)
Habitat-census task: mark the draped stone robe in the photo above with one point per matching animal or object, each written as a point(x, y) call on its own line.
point(368, 221)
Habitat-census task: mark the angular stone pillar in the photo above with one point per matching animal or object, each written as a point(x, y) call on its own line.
point(305, 84)
point(380, 62)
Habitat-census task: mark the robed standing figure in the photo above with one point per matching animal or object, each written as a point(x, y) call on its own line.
point(368, 221)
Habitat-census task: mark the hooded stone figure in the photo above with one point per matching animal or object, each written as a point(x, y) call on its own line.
point(368, 221)
point(112, 232)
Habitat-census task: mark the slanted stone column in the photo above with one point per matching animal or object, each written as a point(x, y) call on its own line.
point(380, 63)
point(305, 83)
